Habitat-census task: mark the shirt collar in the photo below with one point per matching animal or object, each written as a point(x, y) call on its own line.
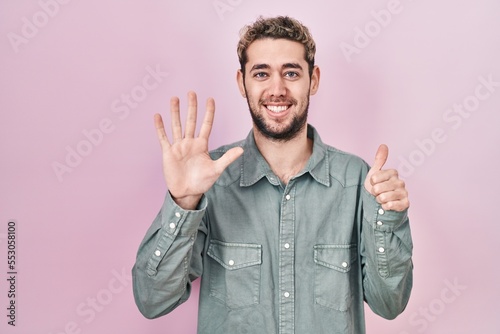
point(254, 167)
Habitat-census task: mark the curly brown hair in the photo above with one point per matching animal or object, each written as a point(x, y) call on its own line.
point(276, 27)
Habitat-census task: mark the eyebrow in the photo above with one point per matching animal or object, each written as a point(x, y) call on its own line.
point(260, 67)
point(292, 65)
point(266, 66)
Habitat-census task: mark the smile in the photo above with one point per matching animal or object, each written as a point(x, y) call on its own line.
point(277, 109)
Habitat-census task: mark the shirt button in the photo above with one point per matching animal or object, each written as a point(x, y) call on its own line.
point(381, 250)
point(287, 245)
point(172, 226)
point(288, 197)
point(177, 214)
point(286, 294)
point(344, 264)
point(379, 223)
point(381, 211)
point(231, 263)
point(157, 252)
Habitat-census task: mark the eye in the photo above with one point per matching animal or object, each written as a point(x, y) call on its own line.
point(291, 74)
point(260, 75)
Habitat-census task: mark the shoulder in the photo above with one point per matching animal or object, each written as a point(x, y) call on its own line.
point(347, 168)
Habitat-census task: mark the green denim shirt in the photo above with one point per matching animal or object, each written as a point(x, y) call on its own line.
point(273, 258)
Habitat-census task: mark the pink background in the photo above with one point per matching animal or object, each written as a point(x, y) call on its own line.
point(78, 231)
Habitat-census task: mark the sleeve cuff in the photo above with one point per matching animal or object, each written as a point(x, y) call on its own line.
point(378, 218)
point(177, 221)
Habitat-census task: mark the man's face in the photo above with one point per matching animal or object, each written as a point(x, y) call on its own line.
point(277, 87)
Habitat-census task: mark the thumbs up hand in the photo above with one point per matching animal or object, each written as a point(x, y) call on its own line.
point(385, 185)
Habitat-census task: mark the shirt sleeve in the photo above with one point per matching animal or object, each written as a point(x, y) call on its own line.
point(386, 251)
point(169, 258)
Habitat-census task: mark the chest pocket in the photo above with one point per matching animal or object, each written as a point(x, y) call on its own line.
point(333, 275)
point(235, 273)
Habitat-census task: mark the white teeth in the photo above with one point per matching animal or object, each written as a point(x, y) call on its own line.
point(277, 109)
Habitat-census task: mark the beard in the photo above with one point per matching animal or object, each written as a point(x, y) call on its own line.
point(285, 133)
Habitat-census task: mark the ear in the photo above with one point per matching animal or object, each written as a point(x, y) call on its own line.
point(241, 84)
point(314, 80)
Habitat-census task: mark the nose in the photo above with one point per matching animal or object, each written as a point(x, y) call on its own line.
point(277, 86)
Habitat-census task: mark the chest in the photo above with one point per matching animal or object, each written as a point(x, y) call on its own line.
point(306, 210)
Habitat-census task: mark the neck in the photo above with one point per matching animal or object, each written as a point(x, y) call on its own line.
point(286, 158)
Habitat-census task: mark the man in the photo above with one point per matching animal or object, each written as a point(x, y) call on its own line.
point(289, 235)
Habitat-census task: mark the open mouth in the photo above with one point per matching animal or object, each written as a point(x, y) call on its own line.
point(277, 109)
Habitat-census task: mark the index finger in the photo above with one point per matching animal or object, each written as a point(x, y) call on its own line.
point(384, 176)
point(208, 119)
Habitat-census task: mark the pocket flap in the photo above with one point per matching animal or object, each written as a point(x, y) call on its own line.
point(235, 255)
point(338, 257)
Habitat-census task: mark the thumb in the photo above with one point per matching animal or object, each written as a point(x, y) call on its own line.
point(228, 158)
point(380, 157)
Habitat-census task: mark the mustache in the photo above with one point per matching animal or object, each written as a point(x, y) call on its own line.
point(291, 101)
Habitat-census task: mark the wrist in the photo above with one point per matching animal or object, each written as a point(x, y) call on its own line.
point(187, 202)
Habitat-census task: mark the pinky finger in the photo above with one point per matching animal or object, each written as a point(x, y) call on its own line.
point(160, 131)
point(399, 205)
